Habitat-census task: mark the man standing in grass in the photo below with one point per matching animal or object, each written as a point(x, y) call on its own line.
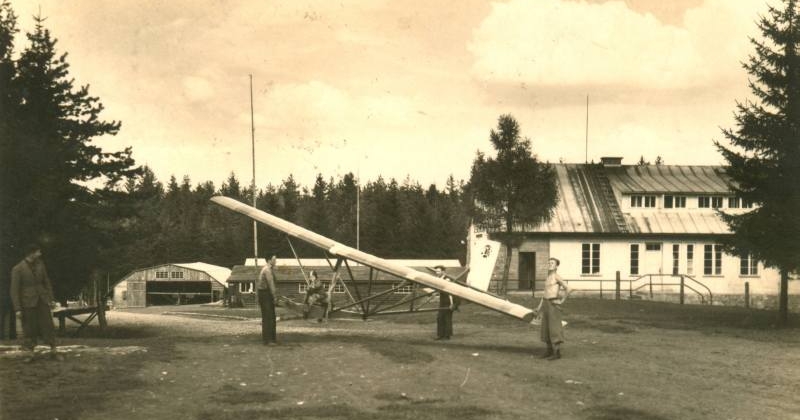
point(444, 318)
point(552, 332)
point(32, 295)
point(267, 298)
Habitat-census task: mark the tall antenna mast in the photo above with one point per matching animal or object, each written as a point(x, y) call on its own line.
point(586, 157)
point(253, 182)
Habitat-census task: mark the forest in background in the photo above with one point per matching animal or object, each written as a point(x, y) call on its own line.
point(177, 222)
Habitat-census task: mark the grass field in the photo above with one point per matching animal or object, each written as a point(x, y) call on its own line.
point(623, 360)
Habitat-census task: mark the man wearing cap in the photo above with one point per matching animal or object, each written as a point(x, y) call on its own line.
point(444, 318)
point(32, 295)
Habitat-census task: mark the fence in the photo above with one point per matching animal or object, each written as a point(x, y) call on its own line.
point(684, 282)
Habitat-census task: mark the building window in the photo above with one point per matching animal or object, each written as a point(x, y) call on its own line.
point(162, 274)
point(177, 274)
point(668, 199)
point(652, 246)
point(748, 266)
point(634, 259)
point(246, 287)
point(676, 255)
point(404, 290)
point(704, 202)
point(302, 287)
point(338, 288)
point(716, 202)
point(712, 260)
point(590, 261)
point(733, 202)
point(643, 201)
point(689, 259)
point(680, 201)
point(747, 204)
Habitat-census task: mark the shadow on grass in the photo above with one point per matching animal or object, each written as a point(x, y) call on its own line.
point(83, 383)
point(622, 413)
point(113, 332)
point(398, 352)
point(388, 412)
point(232, 395)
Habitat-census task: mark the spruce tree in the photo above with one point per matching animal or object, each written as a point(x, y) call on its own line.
point(47, 159)
point(514, 188)
point(764, 160)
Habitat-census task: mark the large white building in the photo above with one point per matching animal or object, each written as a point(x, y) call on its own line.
point(655, 225)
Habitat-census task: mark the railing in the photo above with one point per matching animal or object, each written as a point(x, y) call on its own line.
point(682, 283)
point(646, 281)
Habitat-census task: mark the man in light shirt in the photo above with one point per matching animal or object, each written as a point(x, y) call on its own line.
point(267, 299)
point(552, 332)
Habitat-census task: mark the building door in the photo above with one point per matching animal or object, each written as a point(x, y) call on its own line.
point(527, 270)
point(653, 258)
point(136, 294)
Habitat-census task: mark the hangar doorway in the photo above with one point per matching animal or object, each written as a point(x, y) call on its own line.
point(179, 292)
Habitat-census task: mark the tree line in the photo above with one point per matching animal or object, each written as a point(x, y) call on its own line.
point(177, 222)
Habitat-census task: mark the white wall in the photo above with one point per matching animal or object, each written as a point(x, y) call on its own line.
point(615, 256)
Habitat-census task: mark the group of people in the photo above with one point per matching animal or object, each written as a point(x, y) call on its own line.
point(31, 298)
point(549, 310)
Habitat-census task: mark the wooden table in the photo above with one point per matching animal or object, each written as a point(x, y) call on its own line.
point(69, 313)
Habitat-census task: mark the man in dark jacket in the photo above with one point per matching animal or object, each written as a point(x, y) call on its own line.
point(32, 295)
point(267, 296)
point(444, 318)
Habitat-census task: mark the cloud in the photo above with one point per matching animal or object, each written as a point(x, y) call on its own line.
point(197, 88)
point(557, 43)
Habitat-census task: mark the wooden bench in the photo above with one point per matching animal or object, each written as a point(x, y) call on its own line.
point(69, 313)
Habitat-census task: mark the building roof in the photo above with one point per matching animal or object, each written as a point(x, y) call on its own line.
point(632, 179)
point(590, 194)
point(218, 273)
point(292, 272)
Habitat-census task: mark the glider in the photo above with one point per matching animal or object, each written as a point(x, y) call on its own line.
point(475, 293)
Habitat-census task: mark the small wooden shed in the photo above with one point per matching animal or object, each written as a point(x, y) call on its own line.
point(171, 284)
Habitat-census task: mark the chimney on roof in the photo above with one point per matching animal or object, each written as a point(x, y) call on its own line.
point(611, 161)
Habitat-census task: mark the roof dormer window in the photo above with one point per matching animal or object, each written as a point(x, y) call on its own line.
point(674, 201)
point(648, 201)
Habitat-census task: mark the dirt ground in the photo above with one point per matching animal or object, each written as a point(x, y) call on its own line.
point(623, 360)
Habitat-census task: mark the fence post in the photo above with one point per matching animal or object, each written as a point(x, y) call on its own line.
point(747, 294)
point(601, 288)
point(650, 276)
point(681, 290)
point(618, 286)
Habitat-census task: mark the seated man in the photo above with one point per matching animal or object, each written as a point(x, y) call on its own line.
point(316, 295)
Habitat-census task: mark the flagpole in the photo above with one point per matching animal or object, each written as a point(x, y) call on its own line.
point(253, 182)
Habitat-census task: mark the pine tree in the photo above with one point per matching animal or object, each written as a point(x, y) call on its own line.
point(764, 162)
point(47, 157)
point(514, 188)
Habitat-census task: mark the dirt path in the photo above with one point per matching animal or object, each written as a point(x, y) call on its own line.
point(214, 367)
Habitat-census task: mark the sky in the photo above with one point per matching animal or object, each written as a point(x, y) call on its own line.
point(406, 90)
